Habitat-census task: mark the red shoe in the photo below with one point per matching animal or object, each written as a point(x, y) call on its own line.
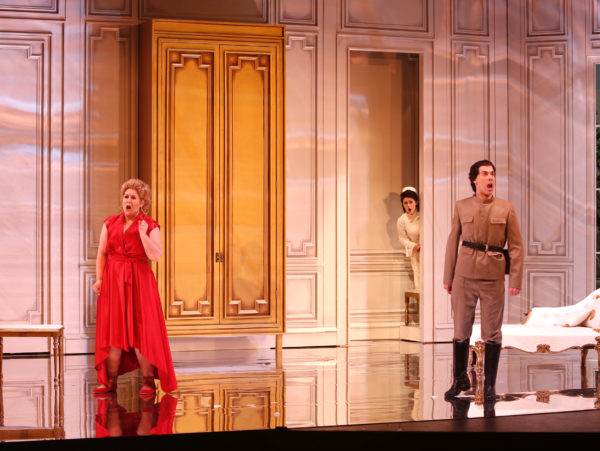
point(151, 387)
point(111, 387)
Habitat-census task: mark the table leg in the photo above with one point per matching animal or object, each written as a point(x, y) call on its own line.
point(61, 356)
point(55, 355)
point(278, 350)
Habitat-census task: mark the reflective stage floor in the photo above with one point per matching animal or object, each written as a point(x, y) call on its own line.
point(366, 383)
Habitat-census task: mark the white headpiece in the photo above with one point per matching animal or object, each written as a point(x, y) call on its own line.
point(409, 188)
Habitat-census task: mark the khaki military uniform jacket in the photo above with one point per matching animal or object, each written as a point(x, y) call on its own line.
point(492, 222)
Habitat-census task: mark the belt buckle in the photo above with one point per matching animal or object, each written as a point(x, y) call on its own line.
point(487, 247)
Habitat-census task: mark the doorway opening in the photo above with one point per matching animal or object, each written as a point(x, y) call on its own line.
point(383, 159)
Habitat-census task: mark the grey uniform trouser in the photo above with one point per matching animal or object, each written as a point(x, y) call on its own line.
point(490, 293)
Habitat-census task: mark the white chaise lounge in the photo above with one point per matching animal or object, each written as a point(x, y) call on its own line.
point(549, 330)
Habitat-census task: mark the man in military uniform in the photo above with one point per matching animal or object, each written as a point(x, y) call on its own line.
point(476, 269)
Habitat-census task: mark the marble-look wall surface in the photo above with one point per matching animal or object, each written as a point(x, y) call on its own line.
point(508, 80)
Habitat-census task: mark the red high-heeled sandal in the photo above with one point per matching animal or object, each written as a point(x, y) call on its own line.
point(109, 388)
point(148, 381)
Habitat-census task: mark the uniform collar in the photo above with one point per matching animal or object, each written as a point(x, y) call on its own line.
point(484, 201)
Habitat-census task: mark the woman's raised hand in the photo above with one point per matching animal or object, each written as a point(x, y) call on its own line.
point(143, 227)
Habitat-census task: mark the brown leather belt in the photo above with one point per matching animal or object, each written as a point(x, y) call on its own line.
point(482, 247)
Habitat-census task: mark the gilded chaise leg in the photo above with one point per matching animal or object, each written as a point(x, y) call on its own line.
point(582, 370)
point(480, 353)
point(597, 348)
point(584, 353)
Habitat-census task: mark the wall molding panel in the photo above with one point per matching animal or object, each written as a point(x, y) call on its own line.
point(220, 10)
point(471, 17)
point(301, 146)
point(407, 16)
point(25, 180)
point(88, 277)
point(546, 286)
point(471, 105)
point(547, 18)
point(548, 143)
point(110, 8)
point(110, 123)
point(297, 12)
point(311, 309)
point(304, 308)
point(595, 17)
point(33, 9)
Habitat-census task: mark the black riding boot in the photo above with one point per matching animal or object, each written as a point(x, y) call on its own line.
point(490, 367)
point(460, 408)
point(489, 409)
point(460, 382)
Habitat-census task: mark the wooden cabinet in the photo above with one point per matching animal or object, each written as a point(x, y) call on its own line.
point(212, 148)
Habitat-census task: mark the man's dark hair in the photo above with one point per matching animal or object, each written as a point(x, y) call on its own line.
point(474, 171)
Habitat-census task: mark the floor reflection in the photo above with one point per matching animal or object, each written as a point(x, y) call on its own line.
point(235, 401)
point(366, 382)
point(149, 417)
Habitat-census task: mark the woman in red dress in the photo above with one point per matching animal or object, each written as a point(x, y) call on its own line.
point(130, 325)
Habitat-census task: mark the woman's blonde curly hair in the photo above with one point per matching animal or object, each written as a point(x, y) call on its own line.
point(143, 190)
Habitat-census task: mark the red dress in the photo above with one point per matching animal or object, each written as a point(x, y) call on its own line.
point(129, 311)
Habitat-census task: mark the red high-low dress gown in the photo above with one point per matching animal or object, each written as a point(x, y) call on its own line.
point(129, 311)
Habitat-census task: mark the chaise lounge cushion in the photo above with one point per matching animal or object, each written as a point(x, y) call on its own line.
point(527, 337)
point(593, 320)
point(573, 315)
point(585, 313)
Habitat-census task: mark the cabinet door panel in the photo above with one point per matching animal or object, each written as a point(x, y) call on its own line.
point(190, 99)
point(248, 116)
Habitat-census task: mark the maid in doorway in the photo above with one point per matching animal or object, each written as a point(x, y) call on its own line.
point(409, 231)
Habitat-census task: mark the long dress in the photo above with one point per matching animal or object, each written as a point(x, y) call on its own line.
point(409, 232)
point(129, 313)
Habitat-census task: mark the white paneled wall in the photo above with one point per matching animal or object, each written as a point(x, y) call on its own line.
point(510, 80)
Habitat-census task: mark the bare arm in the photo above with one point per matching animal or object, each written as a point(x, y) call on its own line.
point(100, 259)
point(152, 243)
